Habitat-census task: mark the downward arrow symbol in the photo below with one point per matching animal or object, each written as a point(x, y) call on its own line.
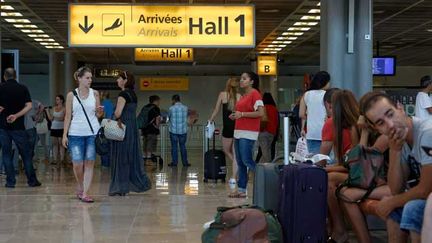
point(86, 28)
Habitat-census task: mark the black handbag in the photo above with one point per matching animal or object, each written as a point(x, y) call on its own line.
point(102, 143)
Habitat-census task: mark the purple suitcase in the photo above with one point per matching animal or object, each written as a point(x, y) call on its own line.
point(303, 203)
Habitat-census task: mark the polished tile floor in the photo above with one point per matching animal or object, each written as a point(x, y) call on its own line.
point(174, 210)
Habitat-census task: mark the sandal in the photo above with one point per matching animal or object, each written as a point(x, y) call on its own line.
point(87, 199)
point(237, 195)
point(79, 195)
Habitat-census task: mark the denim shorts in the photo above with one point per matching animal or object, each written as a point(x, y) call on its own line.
point(82, 148)
point(410, 217)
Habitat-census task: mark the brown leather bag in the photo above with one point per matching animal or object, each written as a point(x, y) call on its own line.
point(243, 225)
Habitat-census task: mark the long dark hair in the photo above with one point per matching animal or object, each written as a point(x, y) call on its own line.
point(345, 115)
point(319, 80)
point(255, 78)
point(268, 99)
point(61, 97)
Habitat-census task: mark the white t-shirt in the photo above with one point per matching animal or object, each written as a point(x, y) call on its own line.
point(316, 113)
point(423, 101)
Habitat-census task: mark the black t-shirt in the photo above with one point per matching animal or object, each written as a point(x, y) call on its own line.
point(13, 97)
point(129, 96)
point(154, 112)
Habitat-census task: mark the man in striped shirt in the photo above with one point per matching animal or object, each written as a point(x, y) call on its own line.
point(178, 130)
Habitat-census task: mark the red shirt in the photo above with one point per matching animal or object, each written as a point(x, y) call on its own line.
point(273, 119)
point(246, 127)
point(328, 134)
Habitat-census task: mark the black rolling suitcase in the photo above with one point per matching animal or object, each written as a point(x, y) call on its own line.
point(214, 164)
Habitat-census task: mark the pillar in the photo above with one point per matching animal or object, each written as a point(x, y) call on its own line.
point(349, 69)
point(364, 46)
point(53, 75)
point(70, 66)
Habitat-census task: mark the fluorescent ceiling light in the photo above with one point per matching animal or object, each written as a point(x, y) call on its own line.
point(319, 4)
point(298, 28)
point(12, 14)
point(17, 20)
point(32, 31)
point(54, 47)
point(281, 42)
point(293, 33)
point(287, 38)
point(7, 7)
point(272, 45)
point(39, 39)
point(282, 46)
point(49, 47)
point(273, 52)
point(39, 35)
point(25, 26)
point(55, 44)
point(305, 23)
point(314, 11)
point(308, 17)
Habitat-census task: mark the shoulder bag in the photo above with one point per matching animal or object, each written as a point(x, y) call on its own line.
point(101, 143)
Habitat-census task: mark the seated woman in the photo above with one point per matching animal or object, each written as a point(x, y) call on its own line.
point(345, 112)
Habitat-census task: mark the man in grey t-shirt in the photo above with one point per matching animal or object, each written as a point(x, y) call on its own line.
point(410, 165)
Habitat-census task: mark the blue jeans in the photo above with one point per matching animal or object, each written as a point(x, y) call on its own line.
point(181, 140)
point(32, 138)
point(20, 138)
point(313, 146)
point(243, 151)
point(410, 217)
point(14, 159)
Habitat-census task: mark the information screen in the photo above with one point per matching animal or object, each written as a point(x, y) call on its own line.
point(384, 66)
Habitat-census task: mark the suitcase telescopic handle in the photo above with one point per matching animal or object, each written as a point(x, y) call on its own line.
point(286, 139)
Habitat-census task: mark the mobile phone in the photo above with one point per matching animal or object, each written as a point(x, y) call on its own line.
point(428, 150)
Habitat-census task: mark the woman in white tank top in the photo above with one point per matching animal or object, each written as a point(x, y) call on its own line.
point(57, 124)
point(79, 133)
point(313, 112)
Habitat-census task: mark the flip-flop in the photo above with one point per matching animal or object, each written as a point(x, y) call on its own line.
point(87, 199)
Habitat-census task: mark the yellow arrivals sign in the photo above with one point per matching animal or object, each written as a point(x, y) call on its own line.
point(163, 54)
point(267, 65)
point(139, 25)
point(164, 83)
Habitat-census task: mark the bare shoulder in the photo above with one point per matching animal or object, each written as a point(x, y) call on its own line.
point(96, 93)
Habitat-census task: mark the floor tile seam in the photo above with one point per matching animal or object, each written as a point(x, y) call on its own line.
point(15, 205)
point(134, 219)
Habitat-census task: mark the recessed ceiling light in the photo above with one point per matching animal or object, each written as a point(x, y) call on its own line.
point(314, 11)
point(429, 30)
point(305, 23)
point(7, 7)
point(308, 17)
point(319, 4)
point(25, 26)
point(17, 20)
point(298, 28)
point(293, 33)
point(32, 31)
point(39, 35)
point(12, 14)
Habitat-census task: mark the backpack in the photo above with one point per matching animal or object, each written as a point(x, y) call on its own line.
point(143, 116)
point(243, 224)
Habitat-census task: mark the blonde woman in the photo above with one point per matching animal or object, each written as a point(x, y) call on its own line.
point(80, 128)
point(228, 99)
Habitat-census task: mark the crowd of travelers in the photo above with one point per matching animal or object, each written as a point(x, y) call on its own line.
point(333, 122)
